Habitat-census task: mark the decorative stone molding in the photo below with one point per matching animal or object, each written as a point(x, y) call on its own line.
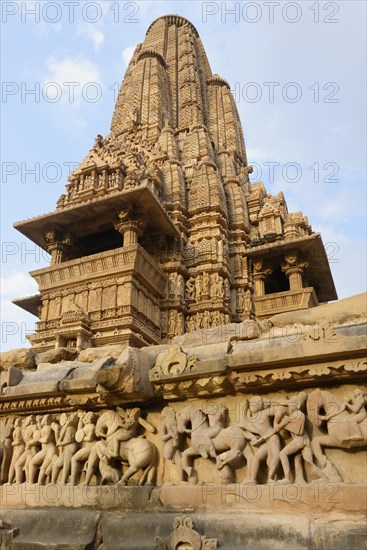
point(184, 537)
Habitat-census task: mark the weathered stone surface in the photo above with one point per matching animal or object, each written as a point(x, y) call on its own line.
point(353, 309)
point(85, 375)
point(68, 496)
point(22, 358)
point(247, 330)
point(341, 534)
point(44, 380)
point(319, 498)
point(92, 354)
point(56, 355)
point(63, 530)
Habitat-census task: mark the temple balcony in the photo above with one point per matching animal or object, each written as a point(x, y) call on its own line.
point(280, 302)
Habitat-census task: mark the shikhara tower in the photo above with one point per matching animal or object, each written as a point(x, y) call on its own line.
point(160, 231)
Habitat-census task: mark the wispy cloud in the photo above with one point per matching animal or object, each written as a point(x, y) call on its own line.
point(71, 69)
point(91, 32)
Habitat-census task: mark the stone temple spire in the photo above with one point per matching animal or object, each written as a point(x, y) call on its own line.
point(160, 231)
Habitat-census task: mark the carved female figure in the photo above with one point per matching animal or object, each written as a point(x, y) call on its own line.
point(172, 322)
point(206, 283)
point(214, 285)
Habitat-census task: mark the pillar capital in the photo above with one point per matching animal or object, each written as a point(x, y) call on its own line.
point(293, 268)
point(131, 228)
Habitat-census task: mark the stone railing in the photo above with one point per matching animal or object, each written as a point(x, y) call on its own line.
point(280, 302)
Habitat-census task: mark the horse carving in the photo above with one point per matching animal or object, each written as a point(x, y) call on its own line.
point(224, 444)
point(118, 431)
point(345, 429)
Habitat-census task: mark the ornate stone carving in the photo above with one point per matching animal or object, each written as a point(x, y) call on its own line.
point(185, 536)
point(172, 363)
point(346, 422)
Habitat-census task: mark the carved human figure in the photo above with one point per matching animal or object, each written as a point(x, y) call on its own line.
point(240, 300)
point(198, 287)
point(294, 423)
point(172, 322)
point(190, 289)
point(163, 320)
point(86, 436)
point(230, 442)
point(180, 285)
point(214, 285)
point(118, 430)
point(217, 417)
point(248, 301)
point(172, 282)
point(170, 436)
point(18, 446)
point(227, 290)
point(221, 290)
point(42, 461)
point(206, 283)
point(216, 320)
point(6, 430)
point(190, 323)
point(206, 319)
point(124, 428)
point(31, 436)
point(67, 447)
point(259, 422)
point(179, 325)
point(357, 406)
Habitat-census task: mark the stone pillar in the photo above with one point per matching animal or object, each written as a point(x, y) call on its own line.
point(293, 269)
point(79, 341)
point(130, 229)
point(58, 245)
point(259, 275)
point(58, 342)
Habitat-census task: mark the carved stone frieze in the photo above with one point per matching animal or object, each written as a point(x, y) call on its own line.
point(271, 436)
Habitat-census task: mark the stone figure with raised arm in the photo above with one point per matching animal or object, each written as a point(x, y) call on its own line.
point(86, 437)
point(171, 439)
point(295, 424)
point(44, 458)
point(259, 422)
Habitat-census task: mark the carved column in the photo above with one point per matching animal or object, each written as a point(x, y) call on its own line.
point(130, 229)
point(57, 245)
point(79, 341)
point(259, 275)
point(294, 269)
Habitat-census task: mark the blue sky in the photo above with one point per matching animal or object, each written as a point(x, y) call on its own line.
point(297, 70)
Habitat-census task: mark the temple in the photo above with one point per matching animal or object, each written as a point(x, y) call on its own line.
point(187, 386)
point(160, 231)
